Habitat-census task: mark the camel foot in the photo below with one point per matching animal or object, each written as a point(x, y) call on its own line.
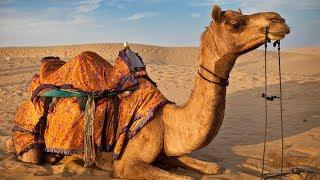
point(193, 164)
point(34, 156)
point(52, 158)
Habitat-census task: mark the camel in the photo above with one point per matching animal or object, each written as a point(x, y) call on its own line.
point(176, 131)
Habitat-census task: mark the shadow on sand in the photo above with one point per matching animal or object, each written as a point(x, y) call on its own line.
point(245, 119)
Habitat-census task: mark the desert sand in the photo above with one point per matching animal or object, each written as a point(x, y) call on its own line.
point(239, 144)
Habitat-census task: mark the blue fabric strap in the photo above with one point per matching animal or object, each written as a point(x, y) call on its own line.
point(63, 93)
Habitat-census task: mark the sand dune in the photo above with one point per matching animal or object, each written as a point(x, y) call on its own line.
point(238, 146)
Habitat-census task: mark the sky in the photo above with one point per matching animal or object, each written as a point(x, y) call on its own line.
point(156, 22)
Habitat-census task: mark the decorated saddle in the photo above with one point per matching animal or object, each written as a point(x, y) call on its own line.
point(86, 105)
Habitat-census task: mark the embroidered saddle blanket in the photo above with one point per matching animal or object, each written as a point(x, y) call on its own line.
point(121, 97)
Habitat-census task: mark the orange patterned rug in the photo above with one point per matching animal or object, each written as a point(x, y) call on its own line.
point(122, 99)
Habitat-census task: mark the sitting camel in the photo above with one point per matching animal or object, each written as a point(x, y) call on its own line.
point(175, 131)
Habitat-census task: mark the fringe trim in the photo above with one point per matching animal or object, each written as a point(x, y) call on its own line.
point(106, 148)
point(63, 151)
point(115, 156)
point(147, 118)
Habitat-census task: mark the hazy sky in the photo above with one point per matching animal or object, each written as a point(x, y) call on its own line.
point(158, 22)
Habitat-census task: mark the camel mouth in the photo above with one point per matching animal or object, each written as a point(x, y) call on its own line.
point(278, 32)
point(276, 35)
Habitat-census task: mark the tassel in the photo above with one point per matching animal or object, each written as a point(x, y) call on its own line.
point(89, 146)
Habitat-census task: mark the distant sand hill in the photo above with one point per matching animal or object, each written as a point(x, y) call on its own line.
point(169, 55)
point(187, 55)
point(238, 146)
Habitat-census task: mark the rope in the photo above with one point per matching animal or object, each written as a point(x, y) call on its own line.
point(266, 98)
point(281, 109)
point(265, 101)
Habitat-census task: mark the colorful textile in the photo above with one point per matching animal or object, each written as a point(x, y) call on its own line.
point(117, 118)
point(88, 72)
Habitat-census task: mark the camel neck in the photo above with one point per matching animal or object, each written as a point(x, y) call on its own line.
point(206, 107)
point(196, 123)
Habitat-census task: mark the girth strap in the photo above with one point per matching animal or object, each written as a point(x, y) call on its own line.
point(41, 125)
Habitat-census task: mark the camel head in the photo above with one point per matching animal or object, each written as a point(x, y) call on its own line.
point(236, 33)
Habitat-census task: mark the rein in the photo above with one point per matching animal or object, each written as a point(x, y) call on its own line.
point(271, 98)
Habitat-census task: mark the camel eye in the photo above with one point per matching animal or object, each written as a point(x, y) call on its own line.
point(235, 25)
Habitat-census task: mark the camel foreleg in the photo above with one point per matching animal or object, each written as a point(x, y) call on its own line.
point(193, 164)
point(140, 153)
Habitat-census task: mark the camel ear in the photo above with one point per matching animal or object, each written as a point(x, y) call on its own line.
point(216, 13)
point(240, 11)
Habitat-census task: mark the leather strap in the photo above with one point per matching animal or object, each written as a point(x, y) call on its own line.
point(221, 82)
